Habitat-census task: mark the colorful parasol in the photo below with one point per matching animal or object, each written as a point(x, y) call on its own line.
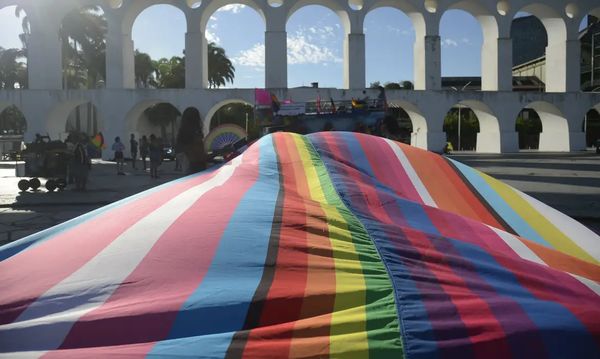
point(328, 245)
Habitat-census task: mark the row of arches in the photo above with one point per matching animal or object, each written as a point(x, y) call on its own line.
point(467, 126)
point(483, 48)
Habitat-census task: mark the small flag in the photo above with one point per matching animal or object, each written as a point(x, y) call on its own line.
point(275, 104)
point(262, 97)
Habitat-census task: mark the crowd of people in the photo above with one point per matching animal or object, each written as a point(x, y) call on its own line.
point(190, 154)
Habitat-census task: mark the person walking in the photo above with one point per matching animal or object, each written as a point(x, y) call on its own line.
point(144, 148)
point(119, 149)
point(155, 156)
point(133, 146)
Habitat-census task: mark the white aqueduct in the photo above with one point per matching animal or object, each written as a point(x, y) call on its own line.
point(561, 108)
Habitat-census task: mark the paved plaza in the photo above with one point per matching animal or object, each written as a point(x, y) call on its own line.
point(567, 182)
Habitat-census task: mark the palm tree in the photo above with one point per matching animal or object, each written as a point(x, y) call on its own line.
point(145, 70)
point(84, 47)
point(163, 115)
point(12, 70)
point(24, 37)
point(220, 68)
point(171, 72)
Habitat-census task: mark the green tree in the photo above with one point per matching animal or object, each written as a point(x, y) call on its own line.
point(171, 72)
point(145, 70)
point(12, 69)
point(83, 41)
point(392, 86)
point(375, 85)
point(235, 113)
point(12, 121)
point(407, 85)
point(220, 68)
point(163, 115)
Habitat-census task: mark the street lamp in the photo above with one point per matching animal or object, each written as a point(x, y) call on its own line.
point(459, 108)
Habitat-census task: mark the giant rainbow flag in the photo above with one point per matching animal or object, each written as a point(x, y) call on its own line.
point(328, 245)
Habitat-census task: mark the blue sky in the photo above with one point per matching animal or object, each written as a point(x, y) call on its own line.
point(315, 42)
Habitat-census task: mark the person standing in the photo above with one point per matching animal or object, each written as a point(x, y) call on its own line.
point(144, 148)
point(133, 146)
point(119, 149)
point(81, 164)
point(155, 156)
point(190, 141)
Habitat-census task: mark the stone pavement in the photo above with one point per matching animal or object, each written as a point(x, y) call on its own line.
point(567, 182)
point(24, 213)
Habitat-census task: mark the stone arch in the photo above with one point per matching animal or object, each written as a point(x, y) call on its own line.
point(211, 8)
point(97, 76)
point(555, 53)
point(407, 8)
point(134, 114)
point(555, 127)
point(6, 106)
point(458, 47)
point(206, 121)
point(404, 10)
point(591, 126)
point(489, 48)
point(215, 5)
point(419, 136)
point(175, 61)
point(13, 128)
point(57, 119)
point(135, 8)
point(339, 54)
point(337, 7)
point(487, 139)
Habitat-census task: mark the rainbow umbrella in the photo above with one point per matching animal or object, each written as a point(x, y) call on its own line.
point(223, 135)
point(328, 245)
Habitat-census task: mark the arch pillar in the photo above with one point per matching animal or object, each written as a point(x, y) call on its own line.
point(196, 60)
point(354, 61)
point(496, 65)
point(276, 58)
point(44, 58)
point(575, 115)
point(427, 63)
point(506, 109)
point(573, 66)
point(556, 66)
point(120, 59)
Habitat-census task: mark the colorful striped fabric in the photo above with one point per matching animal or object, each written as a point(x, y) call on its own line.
point(328, 245)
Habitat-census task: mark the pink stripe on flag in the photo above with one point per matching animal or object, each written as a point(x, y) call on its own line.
point(145, 306)
point(52, 261)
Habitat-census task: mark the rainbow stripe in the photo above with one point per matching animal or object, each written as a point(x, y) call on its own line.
point(328, 245)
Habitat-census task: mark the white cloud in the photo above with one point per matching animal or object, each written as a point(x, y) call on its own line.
point(211, 37)
point(465, 40)
point(301, 51)
point(234, 8)
point(449, 43)
point(253, 57)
